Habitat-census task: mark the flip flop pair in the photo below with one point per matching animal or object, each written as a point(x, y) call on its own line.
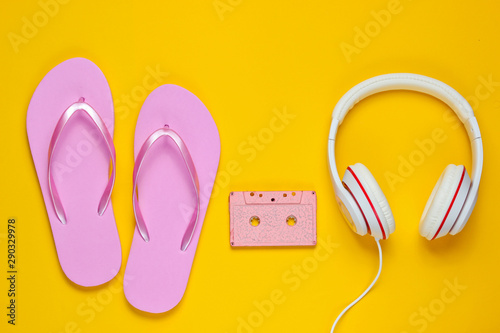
point(70, 125)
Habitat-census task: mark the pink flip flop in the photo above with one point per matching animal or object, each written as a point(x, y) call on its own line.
point(70, 125)
point(177, 151)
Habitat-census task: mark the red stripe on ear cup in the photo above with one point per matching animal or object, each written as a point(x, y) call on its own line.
point(357, 203)
point(369, 201)
point(451, 205)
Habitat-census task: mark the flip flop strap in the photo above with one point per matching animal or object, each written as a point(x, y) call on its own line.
point(99, 123)
point(141, 224)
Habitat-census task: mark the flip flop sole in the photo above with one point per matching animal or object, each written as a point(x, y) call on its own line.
point(157, 271)
point(88, 246)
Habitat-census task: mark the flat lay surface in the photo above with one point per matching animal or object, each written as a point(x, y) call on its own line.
point(270, 73)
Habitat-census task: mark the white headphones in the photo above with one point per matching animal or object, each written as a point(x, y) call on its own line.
point(360, 198)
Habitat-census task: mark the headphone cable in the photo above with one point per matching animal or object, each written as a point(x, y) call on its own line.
point(367, 289)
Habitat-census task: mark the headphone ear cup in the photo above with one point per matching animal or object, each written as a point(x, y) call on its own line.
point(372, 202)
point(445, 203)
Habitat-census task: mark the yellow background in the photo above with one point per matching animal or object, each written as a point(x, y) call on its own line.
point(243, 63)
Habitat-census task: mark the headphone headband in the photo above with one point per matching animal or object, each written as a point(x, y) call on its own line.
point(404, 81)
point(423, 84)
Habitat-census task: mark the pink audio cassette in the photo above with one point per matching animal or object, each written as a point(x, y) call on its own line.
point(272, 218)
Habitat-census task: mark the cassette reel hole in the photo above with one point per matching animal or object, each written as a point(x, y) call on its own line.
point(254, 221)
point(291, 220)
